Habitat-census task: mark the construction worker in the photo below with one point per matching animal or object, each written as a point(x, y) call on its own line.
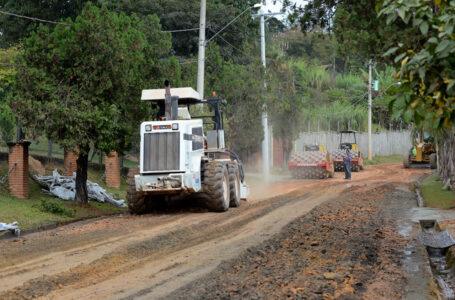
point(414, 151)
point(347, 165)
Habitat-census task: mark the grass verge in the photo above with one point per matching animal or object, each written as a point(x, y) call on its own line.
point(42, 210)
point(384, 159)
point(433, 194)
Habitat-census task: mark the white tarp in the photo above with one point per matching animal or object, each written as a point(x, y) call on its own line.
point(64, 187)
point(10, 227)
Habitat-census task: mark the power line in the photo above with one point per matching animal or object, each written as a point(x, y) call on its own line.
point(32, 18)
point(188, 62)
point(238, 49)
point(183, 30)
point(66, 24)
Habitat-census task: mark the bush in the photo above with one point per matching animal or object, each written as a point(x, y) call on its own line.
point(56, 209)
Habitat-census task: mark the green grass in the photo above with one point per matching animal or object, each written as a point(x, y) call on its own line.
point(434, 195)
point(31, 215)
point(383, 159)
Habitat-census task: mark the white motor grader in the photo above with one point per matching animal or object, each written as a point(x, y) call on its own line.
point(178, 158)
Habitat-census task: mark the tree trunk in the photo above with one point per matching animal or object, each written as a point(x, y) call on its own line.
point(346, 64)
point(446, 164)
point(285, 155)
point(49, 149)
point(81, 178)
point(92, 155)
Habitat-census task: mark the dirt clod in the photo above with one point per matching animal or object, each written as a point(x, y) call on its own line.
point(338, 250)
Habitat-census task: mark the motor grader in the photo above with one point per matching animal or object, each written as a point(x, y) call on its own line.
point(179, 158)
point(422, 153)
point(312, 163)
point(348, 141)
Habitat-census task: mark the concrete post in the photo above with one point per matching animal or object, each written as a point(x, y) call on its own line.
point(370, 101)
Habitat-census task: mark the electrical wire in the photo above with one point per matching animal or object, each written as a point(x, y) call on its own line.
point(183, 30)
point(188, 62)
point(32, 18)
point(66, 24)
point(234, 47)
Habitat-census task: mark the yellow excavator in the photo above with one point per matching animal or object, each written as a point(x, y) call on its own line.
point(422, 153)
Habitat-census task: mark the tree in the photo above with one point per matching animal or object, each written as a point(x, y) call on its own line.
point(81, 84)
point(7, 73)
point(14, 29)
point(173, 14)
point(242, 87)
point(426, 71)
point(357, 29)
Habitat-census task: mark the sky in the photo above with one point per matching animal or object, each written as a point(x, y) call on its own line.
point(276, 5)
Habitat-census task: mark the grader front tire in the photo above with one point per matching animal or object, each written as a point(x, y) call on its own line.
point(136, 202)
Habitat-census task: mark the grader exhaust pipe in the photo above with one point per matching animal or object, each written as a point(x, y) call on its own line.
point(171, 103)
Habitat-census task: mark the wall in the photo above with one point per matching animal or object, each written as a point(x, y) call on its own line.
point(384, 143)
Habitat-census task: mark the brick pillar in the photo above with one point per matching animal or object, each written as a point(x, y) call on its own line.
point(69, 163)
point(18, 178)
point(112, 165)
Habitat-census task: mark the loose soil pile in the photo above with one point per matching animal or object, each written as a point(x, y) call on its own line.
point(344, 249)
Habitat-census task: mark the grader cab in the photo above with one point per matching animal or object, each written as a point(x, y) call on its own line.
point(422, 153)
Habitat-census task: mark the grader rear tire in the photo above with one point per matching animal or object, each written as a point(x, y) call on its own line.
point(136, 202)
point(234, 184)
point(406, 161)
point(215, 186)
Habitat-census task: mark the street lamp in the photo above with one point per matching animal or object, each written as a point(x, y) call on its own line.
point(203, 43)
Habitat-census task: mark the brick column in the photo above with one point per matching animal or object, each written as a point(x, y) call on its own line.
point(18, 178)
point(112, 165)
point(69, 163)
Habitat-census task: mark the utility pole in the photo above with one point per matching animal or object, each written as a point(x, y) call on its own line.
point(370, 100)
point(201, 55)
point(265, 141)
point(265, 121)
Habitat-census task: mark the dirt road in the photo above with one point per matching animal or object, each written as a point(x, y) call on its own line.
point(152, 256)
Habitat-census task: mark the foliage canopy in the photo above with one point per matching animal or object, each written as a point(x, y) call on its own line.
point(81, 84)
point(426, 71)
